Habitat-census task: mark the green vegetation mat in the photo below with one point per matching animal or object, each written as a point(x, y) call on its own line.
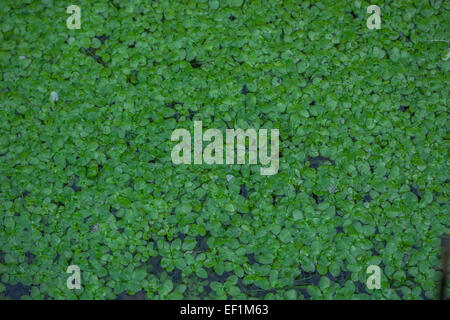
point(87, 179)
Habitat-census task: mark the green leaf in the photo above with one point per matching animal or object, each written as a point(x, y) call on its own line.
point(166, 287)
point(285, 236)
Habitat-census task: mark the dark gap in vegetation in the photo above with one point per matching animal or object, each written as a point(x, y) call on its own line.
point(316, 198)
point(415, 191)
point(201, 243)
point(374, 252)
point(59, 203)
point(113, 211)
point(133, 45)
point(340, 278)
point(243, 191)
point(173, 104)
point(102, 38)
point(195, 63)
point(305, 293)
point(141, 295)
point(360, 287)
point(132, 78)
point(231, 17)
point(56, 258)
point(192, 113)
point(17, 113)
point(213, 276)
point(176, 276)
point(155, 265)
point(253, 291)
point(115, 5)
point(75, 187)
point(311, 277)
point(354, 15)
point(244, 90)
point(175, 116)
point(251, 258)
point(180, 236)
point(367, 198)
point(315, 162)
point(206, 291)
point(16, 291)
point(91, 52)
point(403, 108)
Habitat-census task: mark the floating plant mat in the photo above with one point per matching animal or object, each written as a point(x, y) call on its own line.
point(87, 178)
